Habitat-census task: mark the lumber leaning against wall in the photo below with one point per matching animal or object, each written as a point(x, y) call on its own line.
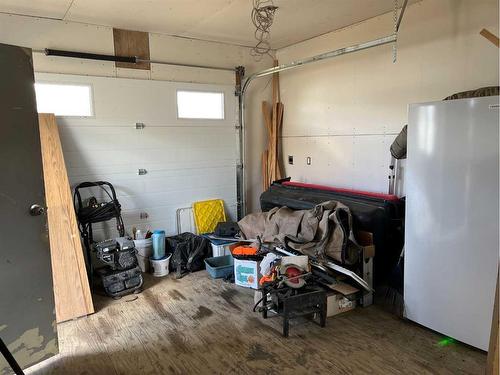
point(71, 287)
point(272, 158)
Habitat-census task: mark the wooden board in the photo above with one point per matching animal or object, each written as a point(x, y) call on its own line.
point(131, 43)
point(197, 325)
point(272, 163)
point(491, 37)
point(71, 287)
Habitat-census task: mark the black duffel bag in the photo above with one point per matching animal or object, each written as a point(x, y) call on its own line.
point(189, 252)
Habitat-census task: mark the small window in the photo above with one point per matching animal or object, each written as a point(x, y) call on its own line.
point(64, 100)
point(200, 105)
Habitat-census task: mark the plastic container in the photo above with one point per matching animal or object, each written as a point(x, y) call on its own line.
point(160, 266)
point(158, 244)
point(144, 247)
point(220, 247)
point(221, 250)
point(143, 263)
point(220, 267)
point(140, 234)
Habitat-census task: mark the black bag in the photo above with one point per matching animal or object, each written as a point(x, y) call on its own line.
point(189, 252)
point(398, 147)
point(227, 229)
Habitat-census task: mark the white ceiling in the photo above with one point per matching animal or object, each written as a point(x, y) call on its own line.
point(220, 20)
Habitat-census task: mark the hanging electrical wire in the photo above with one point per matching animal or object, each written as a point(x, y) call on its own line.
point(262, 17)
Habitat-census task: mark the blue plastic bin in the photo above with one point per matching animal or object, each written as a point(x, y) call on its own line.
point(220, 267)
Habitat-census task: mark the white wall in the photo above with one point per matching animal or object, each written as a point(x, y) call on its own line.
point(344, 113)
point(39, 33)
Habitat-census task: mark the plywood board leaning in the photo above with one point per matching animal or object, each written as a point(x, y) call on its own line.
point(71, 286)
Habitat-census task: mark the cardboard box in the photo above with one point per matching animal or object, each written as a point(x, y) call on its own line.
point(344, 288)
point(337, 303)
point(246, 273)
point(341, 298)
point(365, 240)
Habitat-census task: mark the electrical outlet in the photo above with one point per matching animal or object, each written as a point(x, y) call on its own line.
point(290, 159)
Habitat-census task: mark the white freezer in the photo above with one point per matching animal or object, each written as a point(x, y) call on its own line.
point(452, 225)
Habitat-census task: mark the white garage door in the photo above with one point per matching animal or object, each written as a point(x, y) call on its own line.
point(185, 159)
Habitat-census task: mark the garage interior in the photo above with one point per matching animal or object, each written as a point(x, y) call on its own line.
point(249, 186)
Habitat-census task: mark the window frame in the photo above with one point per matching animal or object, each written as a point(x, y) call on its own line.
point(223, 102)
point(89, 85)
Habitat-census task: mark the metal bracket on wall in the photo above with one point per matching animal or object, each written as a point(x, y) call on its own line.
point(240, 73)
point(141, 171)
point(139, 125)
point(240, 191)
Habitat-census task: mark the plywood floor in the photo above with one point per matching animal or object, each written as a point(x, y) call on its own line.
point(201, 326)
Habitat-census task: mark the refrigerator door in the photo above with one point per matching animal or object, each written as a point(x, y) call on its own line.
point(452, 226)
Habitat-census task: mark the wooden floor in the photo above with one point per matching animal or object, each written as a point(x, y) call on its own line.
point(201, 326)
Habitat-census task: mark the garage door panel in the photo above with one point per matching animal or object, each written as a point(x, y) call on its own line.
point(128, 101)
point(117, 171)
point(182, 196)
point(153, 183)
point(75, 159)
point(109, 138)
point(155, 214)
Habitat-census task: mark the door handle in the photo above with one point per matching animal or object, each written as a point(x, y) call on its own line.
point(36, 210)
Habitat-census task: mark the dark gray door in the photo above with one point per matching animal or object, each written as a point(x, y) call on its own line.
point(27, 317)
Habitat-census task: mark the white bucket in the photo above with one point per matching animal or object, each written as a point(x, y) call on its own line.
point(160, 266)
point(143, 263)
point(144, 247)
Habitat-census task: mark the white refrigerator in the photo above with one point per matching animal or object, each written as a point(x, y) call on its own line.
point(452, 226)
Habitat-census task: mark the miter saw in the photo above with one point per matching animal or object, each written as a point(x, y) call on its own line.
point(290, 275)
point(285, 291)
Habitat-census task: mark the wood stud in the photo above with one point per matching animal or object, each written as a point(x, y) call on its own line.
point(272, 165)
